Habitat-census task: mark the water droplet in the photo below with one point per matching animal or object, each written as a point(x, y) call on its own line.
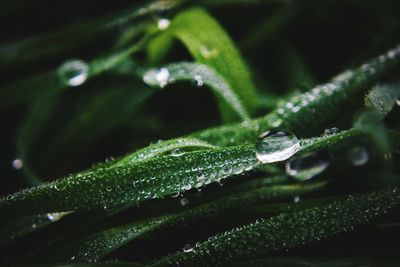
point(184, 201)
point(296, 199)
point(358, 155)
point(17, 164)
point(199, 80)
point(308, 166)
point(163, 24)
point(177, 152)
point(157, 77)
point(187, 248)
point(276, 145)
point(176, 195)
point(55, 216)
point(398, 102)
point(200, 177)
point(331, 131)
point(73, 72)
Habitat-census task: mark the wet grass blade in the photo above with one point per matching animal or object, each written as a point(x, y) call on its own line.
point(288, 230)
point(201, 75)
point(209, 44)
point(103, 243)
point(133, 183)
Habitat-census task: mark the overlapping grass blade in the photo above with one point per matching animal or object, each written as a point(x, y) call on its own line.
point(288, 230)
point(201, 75)
point(210, 45)
point(97, 246)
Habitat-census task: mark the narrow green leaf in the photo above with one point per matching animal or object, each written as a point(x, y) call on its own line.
point(288, 230)
point(210, 45)
point(200, 74)
point(307, 111)
point(132, 183)
point(99, 245)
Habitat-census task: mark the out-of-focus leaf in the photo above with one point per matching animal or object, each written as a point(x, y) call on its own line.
point(382, 98)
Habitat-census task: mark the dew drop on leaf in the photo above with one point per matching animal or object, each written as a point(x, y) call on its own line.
point(331, 131)
point(187, 248)
point(358, 155)
point(177, 152)
point(157, 77)
point(308, 166)
point(276, 145)
point(199, 80)
point(73, 72)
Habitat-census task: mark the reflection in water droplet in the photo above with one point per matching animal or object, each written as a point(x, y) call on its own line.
point(163, 24)
point(157, 77)
point(184, 201)
point(308, 166)
point(276, 145)
point(358, 155)
point(17, 164)
point(187, 248)
point(331, 131)
point(73, 72)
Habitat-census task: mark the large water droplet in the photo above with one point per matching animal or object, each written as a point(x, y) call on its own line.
point(73, 72)
point(17, 164)
point(358, 155)
point(310, 165)
point(163, 24)
point(276, 145)
point(157, 77)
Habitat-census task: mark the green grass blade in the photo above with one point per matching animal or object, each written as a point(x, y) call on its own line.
point(99, 245)
point(200, 74)
point(133, 183)
point(288, 230)
point(306, 111)
point(210, 45)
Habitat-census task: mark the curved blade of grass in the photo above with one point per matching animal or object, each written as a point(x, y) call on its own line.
point(200, 74)
point(99, 245)
point(382, 98)
point(308, 110)
point(288, 230)
point(136, 182)
point(29, 88)
point(67, 38)
point(210, 45)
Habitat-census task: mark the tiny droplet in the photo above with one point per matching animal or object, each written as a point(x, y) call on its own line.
point(73, 72)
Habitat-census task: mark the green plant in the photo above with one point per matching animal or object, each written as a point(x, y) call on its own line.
point(306, 169)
